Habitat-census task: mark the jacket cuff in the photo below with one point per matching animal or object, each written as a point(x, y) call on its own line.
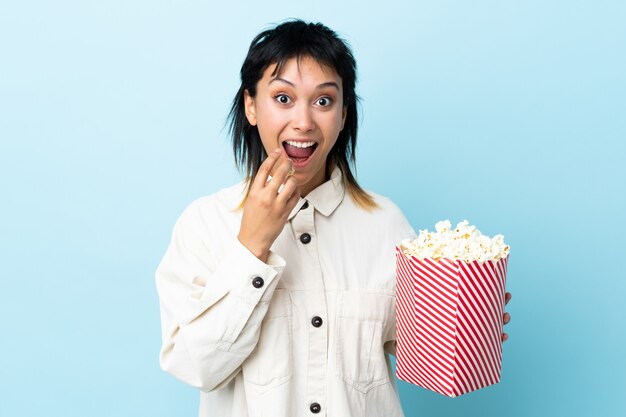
point(239, 271)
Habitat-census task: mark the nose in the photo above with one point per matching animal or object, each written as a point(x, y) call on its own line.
point(303, 119)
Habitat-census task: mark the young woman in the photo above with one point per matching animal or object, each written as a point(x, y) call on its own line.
point(278, 293)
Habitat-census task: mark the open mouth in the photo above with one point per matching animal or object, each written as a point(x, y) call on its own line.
point(300, 155)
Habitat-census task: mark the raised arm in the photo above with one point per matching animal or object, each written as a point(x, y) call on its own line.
point(212, 305)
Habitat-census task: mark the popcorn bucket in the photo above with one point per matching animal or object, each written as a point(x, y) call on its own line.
point(449, 322)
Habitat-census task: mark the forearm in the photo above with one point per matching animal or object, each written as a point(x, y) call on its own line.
point(211, 317)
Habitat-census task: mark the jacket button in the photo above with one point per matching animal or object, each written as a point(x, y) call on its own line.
point(305, 205)
point(305, 238)
point(317, 321)
point(257, 282)
point(315, 408)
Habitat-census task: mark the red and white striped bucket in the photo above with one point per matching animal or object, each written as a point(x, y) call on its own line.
point(449, 322)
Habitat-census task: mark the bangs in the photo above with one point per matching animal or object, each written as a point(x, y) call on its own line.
point(299, 56)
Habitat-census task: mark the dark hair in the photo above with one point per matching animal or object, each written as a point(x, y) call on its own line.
point(296, 38)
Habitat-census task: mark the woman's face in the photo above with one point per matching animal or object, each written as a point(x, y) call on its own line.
point(304, 104)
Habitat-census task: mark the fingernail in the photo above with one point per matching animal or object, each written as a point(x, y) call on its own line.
point(277, 150)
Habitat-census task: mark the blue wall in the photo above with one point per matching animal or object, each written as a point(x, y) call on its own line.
point(508, 114)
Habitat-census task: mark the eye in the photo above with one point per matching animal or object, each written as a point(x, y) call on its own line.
point(282, 98)
point(325, 101)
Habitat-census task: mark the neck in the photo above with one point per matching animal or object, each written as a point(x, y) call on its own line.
point(320, 178)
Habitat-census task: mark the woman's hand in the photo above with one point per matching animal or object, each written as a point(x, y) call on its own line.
point(506, 317)
point(266, 210)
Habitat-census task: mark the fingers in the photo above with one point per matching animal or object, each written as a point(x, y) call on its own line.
point(289, 190)
point(506, 318)
point(265, 169)
point(279, 177)
point(295, 196)
point(507, 298)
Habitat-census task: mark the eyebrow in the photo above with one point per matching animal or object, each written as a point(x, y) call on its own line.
point(326, 84)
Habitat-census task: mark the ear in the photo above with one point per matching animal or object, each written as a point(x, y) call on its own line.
point(344, 113)
point(249, 108)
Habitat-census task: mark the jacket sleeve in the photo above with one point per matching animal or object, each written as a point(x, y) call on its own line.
point(210, 310)
point(406, 232)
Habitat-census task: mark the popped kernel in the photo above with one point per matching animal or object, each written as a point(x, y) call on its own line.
point(464, 242)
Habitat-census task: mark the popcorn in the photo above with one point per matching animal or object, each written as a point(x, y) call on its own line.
point(450, 290)
point(465, 243)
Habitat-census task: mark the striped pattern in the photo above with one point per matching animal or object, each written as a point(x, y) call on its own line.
point(449, 323)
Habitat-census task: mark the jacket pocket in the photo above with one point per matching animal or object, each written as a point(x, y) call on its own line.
point(362, 318)
point(270, 363)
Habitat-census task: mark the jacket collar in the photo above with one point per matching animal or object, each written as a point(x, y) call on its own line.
point(326, 197)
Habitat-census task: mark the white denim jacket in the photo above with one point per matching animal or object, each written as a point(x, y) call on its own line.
point(306, 334)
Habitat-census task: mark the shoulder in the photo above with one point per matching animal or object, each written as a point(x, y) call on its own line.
point(387, 206)
point(205, 210)
point(388, 216)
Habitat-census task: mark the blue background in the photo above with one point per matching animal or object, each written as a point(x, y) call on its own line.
point(508, 114)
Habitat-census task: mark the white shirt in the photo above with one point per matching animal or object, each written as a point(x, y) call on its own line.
point(248, 334)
